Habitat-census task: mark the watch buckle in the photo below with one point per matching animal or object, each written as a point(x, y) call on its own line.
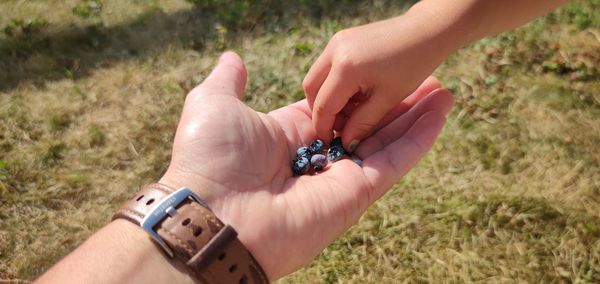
point(167, 208)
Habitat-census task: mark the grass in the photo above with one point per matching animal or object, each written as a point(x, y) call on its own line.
point(90, 93)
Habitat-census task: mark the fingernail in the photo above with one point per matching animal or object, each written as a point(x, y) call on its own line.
point(353, 145)
point(356, 159)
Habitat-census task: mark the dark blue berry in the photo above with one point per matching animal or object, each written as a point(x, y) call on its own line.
point(335, 153)
point(336, 142)
point(303, 151)
point(317, 146)
point(356, 159)
point(318, 161)
point(300, 166)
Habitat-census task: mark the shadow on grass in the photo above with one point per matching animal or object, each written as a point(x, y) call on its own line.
point(74, 52)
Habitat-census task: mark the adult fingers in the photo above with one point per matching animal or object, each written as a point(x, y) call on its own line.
point(301, 105)
point(294, 120)
point(440, 100)
point(385, 167)
point(227, 78)
point(331, 99)
point(316, 76)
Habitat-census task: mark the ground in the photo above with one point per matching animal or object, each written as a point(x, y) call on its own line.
point(90, 93)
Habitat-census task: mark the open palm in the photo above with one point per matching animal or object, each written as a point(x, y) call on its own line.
point(239, 160)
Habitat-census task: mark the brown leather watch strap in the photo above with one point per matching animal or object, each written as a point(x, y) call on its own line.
point(197, 237)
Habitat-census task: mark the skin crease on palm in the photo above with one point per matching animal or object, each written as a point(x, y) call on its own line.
point(239, 161)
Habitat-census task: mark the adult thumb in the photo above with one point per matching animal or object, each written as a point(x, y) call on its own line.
point(228, 78)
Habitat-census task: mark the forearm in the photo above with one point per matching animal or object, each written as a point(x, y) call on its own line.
point(460, 22)
point(118, 253)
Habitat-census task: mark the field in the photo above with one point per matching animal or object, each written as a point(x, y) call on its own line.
point(90, 94)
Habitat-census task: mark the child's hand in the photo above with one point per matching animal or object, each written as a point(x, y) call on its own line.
point(366, 71)
point(363, 73)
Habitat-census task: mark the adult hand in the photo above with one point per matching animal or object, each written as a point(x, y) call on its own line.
point(239, 161)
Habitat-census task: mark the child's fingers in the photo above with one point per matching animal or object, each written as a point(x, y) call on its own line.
point(340, 121)
point(331, 99)
point(429, 85)
point(364, 120)
point(315, 77)
point(360, 127)
point(440, 100)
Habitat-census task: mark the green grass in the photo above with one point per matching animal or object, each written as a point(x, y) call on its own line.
point(90, 93)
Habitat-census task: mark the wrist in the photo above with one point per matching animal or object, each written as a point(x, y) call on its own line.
point(213, 193)
point(120, 252)
point(148, 262)
point(448, 25)
point(220, 204)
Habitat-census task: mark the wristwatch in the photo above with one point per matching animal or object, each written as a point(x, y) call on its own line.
point(187, 229)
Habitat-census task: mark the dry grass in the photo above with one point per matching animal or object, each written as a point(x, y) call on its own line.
point(510, 192)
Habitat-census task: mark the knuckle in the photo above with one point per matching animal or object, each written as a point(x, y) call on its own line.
point(341, 37)
point(343, 59)
point(320, 109)
point(345, 63)
point(308, 87)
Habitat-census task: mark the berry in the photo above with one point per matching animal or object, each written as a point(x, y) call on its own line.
point(317, 146)
point(301, 165)
point(318, 161)
point(335, 153)
point(356, 159)
point(303, 151)
point(336, 142)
